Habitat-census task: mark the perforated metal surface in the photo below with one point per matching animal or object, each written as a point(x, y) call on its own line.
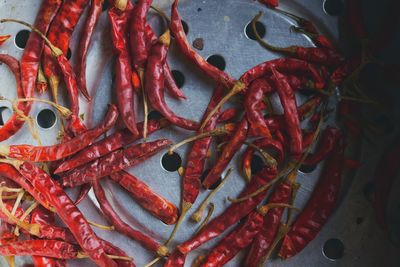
point(221, 24)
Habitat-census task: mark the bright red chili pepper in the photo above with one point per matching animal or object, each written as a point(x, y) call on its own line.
point(145, 197)
point(320, 205)
point(123, 71)
point(48, 262)
point(63, 150)
point(175, 259)
point(113, 162)
point(114, 250)
point(4, 38)
point(270, 3)
point(84, 43)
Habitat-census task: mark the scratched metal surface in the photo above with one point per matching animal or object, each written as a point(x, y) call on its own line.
point(221, 24)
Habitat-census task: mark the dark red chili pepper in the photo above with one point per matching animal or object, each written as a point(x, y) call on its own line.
point(121, 226)
point(288, 101)
point(176, 259)
point(227, 115)
point(265, 238)
point(84, 43)
point(83, 192)
point(184, 46)
point(270, 3)
point(123, 71)
point(30, 62)
point(232, 214)
point(47, 248)
point(319, 40)
point(113, 250)
point(320, 205)
point(145, 197)
point(63, 150)
point(171, 85)
point(68, 213)
point(229, 151)
point(4, 38)
point(113, 162)
point(154, 83)
point(109, 144)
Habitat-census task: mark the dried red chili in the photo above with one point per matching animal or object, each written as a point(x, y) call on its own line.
point(4, 38)
point(39, 261)
point(270, 3)
point(176, 259)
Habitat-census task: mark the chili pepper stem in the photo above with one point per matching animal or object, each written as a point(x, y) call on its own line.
point(210, 212)
point(185, 208)
point(82, 255)
point(237, 88)
point(10, 260)
point(197, 216)
point(145, 105)
point(54, 82)
point(42, 83)
point(153, 262)
point(17, 202)
point(264, 209)
point(103, 227)
point(267, 157)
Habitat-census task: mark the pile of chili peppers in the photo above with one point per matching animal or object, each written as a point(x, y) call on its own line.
point(258, 224)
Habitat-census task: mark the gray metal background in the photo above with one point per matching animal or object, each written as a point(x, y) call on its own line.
point(221, 24)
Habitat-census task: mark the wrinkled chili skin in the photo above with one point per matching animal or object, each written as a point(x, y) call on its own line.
point(272, 220)
point(197, 156)
point(145, 197)
point(30, 65)
point(48, 262)
point(123, 71)
point(184, 47)
point(18, 213)
point(176, 259)
point(171, 85)
point(84, 43)
point(238, 239)
point(154, 85)
point(68, 213)
point(319, 207)
point(121, 226)
point(63, 150)
point(318, 55)
point(232, 214)
point(228, 152)
point(113, 162)
point(38, 247)
point(114, 250)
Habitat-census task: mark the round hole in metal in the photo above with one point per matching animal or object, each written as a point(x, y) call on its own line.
point(171, 162)
point(217, 61)
point(204, 175)
point(250, 34)
point(69, 53)
point(155, 115)
point(307, 168)
point(199, 9)
point(46, 118)
point(185, 27)
point(333, 249)
point(333, 7)
point(5, 114)
point(256, 164)
point(178, 77)
point(22, 38)
point(105, 5)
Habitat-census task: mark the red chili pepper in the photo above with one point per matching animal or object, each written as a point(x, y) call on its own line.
point(176, 259)
point(171, 85)
point(340, 74)
point(47, 262)
point(232, 214)
point(4, 38)
point(270, 3)
point(121, 226)
point(84, 43)
point(184, 46)
point(18, 213)
point(319, 207)
point(109, 144)
point(113, 250)
point(154, 83)
point(145, 197)
point(113, 162)
point(68, 213)
point(123, 71)
point(288, 101)
point(229, 151)
point(63, 150)
point(227, 115)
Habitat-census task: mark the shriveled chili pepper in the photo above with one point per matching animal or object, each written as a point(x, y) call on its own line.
point(4, 38)
point(109, 144)
point(232, 214)
point(84, 43)
point(288, 101)
point(171, 85)
point(320, 205)
point(318, 55)
point(154, 83)
point(113, 162)
point(123, 71)
point(184, 46)
point(40, 247)
point(68, 213)
point(176, 259)
point(229, 151)
point(59, 35)
point(63, 150)
point(145, 197)
point(18, 213)
point(121, 226)
point(39, 261)
point(227, 115)
point(114, 250)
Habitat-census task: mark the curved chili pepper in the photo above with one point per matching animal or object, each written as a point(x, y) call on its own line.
point(154, 83)
point(170, 83)
point(145, 197)
point(46, 248)
point(113, 162)
point(63, 150)
point(227, 115)
point(113, 250)
point(319, 207)
point(18, 213)
point(68, 213)
point(229, 151)
point(184, 46)
point(176, 259)
point(123, 70)
point(264, 239)
point(120, 225)
point(232, 214)
point(84, 43)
